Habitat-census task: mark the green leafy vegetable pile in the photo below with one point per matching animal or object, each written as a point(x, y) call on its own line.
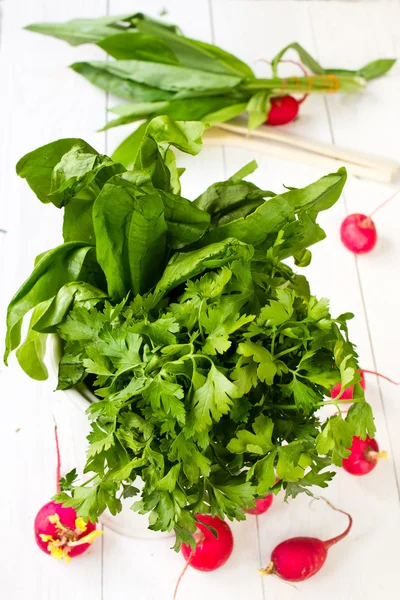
point(209, 357)
point(162, 72)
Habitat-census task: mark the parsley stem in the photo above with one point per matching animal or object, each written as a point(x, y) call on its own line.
point(319, 404)
point(287, 351)
point(273, 342)
point(89, 480)
point(203, 356)
point(199, 320)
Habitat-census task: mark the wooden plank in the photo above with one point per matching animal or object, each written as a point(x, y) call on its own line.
point(371, 123)
point(41, 100)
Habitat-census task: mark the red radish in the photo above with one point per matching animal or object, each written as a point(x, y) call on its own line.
point(59, 531)
point(284, 109)
point(364, 456)
point(348, 393)
point(358, 232)
point(262, 505)
point(211, 552)
point(299, 558)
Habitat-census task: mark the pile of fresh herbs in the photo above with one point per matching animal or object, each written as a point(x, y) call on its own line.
point(209, 357)
point(162, 72)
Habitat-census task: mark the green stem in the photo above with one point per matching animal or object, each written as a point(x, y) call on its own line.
point(203, 356)
point(88, 480)
point(318, 83)
point(287, 351)
point(273, 343)
point(199, 319)
point(317, 404)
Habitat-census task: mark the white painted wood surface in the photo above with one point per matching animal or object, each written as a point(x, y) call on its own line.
point(41, 100)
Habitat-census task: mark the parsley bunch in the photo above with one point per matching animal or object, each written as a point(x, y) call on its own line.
point(209, 357)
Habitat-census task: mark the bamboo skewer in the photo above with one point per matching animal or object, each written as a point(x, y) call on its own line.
point(218, 136)
point(273, 141)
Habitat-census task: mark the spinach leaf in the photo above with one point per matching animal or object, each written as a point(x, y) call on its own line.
point(156, 157)
point(210, 110)
point(253, 229)
point(55, 268)
point(227, 200)
point(317, 196)
point(377, 68)
point(129, 113)
point(58, 307)
point(254, 221)
point(119, 85)
point(297, 236)
point(130, 237)
point(233, 62)
point(222, 114)
point(258, 108)
point(135, 45)
point(70, 175)
point(147, 243)
point(171, 78)
point(30, 354)
point(374, 69)
point(196, 55)
point(82, 31)
point(185, 265)
point(37, 166)
point(306, 58)
point(127, 151)
point(186, 223)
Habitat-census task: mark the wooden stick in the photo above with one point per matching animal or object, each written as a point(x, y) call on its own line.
point(218, 137)
point(238, 126)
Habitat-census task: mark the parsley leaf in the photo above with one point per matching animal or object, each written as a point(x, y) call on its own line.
point(258, 442)
point(212, 400)
point(335, 438)
point(305, 397)
point(361, 419)
point(266, 369)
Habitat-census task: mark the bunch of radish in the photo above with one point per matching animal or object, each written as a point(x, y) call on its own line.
point(59, 531)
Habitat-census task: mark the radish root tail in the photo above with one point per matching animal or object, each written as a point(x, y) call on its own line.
point(382, 376)
point(58, 469)
point(189, 558)
point(341, 536)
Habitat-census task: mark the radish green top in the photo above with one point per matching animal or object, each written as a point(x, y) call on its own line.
point(159, 71)
point(209, 356)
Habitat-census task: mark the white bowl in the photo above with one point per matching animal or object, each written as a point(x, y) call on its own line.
point(128, 522)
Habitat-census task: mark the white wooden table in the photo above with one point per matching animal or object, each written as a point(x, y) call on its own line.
point(41, 100)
